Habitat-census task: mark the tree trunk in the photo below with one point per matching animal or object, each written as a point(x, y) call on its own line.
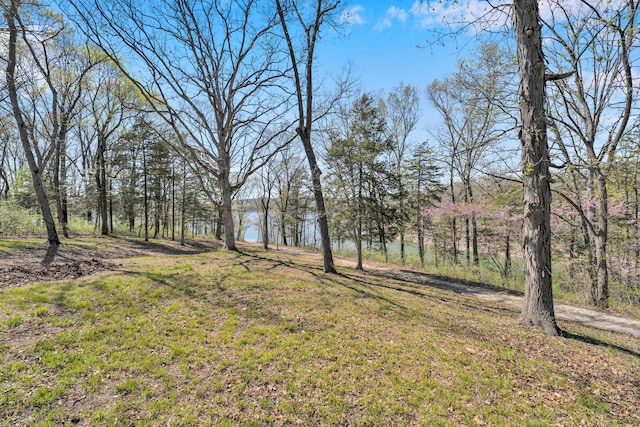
point(507, 255)
point(36, 170)
point(173, 202)
point(420, 238)
point(474, 227)
point(537, 309)
point(454, 226)
point(454, 240)
point(111, 207)
point(227, 216)
point(602, 293)
point(219, 224)
point(591, 291)
point(358, 242)
point(283, 228)
point(467, 234)
point(323, 223)
point(474, 240)
point(146, 196)
point(183, 207)
point(636, 217)
point(101, 180)
point(240, 216)
point(265, 224)
point(60, 182)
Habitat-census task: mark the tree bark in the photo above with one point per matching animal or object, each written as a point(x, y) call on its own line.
point(265, 223)
point(60, 182)
point(227, 215)
point(507, 254)
point(146, 195)
point(101, 180)
point(304, 94)
point(474, 228)
point(36, 170)
point(183, 208)
point(602, 292)
point(454, 226)
point(173, 202)
point(537, 307)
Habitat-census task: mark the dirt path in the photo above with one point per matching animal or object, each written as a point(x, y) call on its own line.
point(587, 317)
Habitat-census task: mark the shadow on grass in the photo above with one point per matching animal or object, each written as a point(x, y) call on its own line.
point(410, 282)
point(365, 289)
point(598, 343)
point(52, 251)
point(404, 281)
point(451, 284)
point(167, 246)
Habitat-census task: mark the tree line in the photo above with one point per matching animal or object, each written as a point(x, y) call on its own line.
point(164, 118)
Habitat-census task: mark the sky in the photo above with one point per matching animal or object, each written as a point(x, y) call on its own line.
point(391, 42)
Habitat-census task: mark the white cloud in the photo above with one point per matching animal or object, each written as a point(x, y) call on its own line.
point(396, 12)
point(382, 24)
point(352, 15)
point(393, 13)
point(481, 15)
point(460, 13)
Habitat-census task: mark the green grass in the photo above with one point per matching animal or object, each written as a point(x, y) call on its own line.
point(10, 245)
point(267, 339)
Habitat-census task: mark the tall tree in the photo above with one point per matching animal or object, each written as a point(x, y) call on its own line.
point(290, 181)
point(212, 70)
point(403, 113)
point(63, 66)
point(471, 101)
point(293, 14)
point(591, 111)
point(537, 308)
point(6, 148)
point(359, 175)
point(37, 157)
point(266, 183)
point(423, 190)
point(112, 101)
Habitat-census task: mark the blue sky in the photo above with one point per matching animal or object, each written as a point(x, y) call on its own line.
point(381, 44)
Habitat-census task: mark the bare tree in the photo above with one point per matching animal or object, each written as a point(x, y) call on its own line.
point(111, 101)
point(266, 183)
point(537, 308)
point(5, 152)
point(403, 113)
point(64, 67)
point(590, 112)
point(290, 180)
point(38, 156)
point(212, 70)
point(472, 104)
point(295, 23)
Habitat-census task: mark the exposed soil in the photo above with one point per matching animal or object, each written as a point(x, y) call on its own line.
point(82, 257)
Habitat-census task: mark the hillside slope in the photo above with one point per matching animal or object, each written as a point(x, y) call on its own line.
point(258, 338)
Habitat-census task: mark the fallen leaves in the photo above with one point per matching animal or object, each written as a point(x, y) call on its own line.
point(24, 274)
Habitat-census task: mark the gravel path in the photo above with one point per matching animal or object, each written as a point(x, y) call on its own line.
point(587, 317)
point(592, 318)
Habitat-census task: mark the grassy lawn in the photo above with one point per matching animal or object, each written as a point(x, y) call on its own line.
point(257, 338)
